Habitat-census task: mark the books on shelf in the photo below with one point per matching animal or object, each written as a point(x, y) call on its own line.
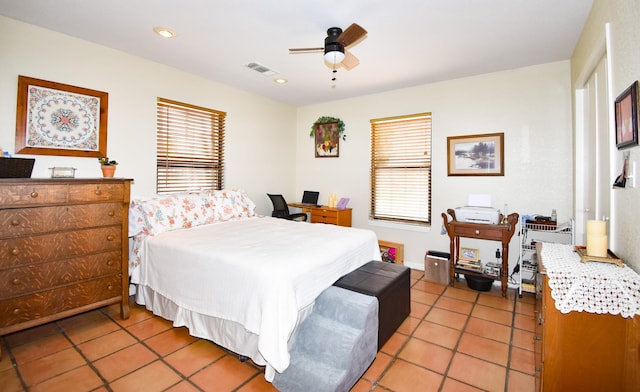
point(475, 266)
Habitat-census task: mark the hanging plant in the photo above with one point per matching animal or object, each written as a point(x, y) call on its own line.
point(326, 119)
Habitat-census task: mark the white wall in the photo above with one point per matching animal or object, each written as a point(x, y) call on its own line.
point(258, 131)
point(532, 106)
point(623, 16)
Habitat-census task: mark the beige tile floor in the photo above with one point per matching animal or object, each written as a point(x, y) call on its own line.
point(455, 339)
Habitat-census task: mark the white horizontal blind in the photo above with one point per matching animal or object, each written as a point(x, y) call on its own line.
point(190, 147)
point(401, 169)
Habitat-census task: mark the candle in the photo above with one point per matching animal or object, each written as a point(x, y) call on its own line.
point(596, 227)
point(596, 245)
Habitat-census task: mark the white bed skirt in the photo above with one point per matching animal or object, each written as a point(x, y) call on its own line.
point(225, 333)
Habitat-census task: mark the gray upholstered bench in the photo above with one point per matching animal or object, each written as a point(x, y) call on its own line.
point(391, 284)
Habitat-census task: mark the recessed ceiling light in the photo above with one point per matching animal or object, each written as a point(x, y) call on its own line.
point(280, 80)
point(164, 32)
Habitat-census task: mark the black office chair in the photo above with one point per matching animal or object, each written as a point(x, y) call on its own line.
point(281, 209)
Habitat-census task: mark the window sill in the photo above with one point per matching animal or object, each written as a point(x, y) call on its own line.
point(399, 226)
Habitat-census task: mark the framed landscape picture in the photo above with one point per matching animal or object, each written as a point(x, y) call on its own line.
point(476, 155)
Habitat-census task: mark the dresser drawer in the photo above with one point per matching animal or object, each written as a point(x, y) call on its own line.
point(324, 216)
point(487, 233)
point(100, 192)
point(33, 194)
point(16, 252)
point(60, 299)
point(40, 220)
point(34, 277)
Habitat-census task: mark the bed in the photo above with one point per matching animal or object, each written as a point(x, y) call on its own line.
point(241, 280)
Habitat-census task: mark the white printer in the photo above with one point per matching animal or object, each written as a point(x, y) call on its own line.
point(478, 210)
point(474, 214)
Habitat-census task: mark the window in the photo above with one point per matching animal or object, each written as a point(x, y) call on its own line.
point(190, 147)
point(401, 169)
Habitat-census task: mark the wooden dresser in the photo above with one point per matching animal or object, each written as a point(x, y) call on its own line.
point(331, 216)
point(63, 249)
point(326, 214)
point(581, 351)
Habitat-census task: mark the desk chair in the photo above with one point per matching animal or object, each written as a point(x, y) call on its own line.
point(281, 209)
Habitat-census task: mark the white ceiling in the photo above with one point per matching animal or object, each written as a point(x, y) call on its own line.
point(409, 42)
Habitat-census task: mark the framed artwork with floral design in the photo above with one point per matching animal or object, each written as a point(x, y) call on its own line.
point(327, 140)
point(59, 119)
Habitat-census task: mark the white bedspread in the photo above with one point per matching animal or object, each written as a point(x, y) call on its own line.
point(259, 272)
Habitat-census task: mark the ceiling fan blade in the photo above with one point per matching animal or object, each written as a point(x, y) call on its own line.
point(350, 61)
point(305, 50)
point(352, 35)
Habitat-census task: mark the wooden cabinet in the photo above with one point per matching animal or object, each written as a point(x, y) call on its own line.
point(63, 249)
point(502, 233)
point(581, 351)
point(332, 216)
point(325, 214)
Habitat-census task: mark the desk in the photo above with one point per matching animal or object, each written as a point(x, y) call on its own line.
point(501, 232)
point(325, 214)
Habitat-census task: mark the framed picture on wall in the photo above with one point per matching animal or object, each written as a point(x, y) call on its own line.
point(60, 119)
point(476, 155)
point(626, 112)
point(327, 140)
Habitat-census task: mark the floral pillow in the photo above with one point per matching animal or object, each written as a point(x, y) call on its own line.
point(163, 213)
point(230, 204)
point(160, 213)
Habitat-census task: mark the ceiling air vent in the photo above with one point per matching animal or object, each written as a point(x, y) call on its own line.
point(261, 69)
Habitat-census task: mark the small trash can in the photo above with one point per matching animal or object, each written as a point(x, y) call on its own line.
point(436, 267)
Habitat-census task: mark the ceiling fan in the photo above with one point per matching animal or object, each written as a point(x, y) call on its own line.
point(336, 44)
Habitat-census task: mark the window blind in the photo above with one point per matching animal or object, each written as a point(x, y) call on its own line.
point(401, 169)
point(190, 147)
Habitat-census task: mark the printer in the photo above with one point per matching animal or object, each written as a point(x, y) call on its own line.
point(475, 214)
point(478, 210)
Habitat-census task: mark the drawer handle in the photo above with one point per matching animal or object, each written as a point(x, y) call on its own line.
point(111, 237)
point(15, 222)
point(109, 262)
point(110, 287)
point(111, 213)
point(98, 192)
point(34, 194)
point(536, 337)
point(16, 311)
point(477, 231)
point(15, 251)
point(16, 281)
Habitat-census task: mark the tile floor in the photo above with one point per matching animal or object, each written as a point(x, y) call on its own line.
point(455, 339)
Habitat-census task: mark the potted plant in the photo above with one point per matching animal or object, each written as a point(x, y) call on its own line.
point(108, 166)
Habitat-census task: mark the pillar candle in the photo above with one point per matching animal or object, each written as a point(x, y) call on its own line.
point(596, 227)
point(596, 245)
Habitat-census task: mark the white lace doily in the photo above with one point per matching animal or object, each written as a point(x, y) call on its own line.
point(592, 287)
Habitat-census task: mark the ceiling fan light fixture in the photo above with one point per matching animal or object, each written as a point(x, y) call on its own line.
point(333, 53)
point(334, 57)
